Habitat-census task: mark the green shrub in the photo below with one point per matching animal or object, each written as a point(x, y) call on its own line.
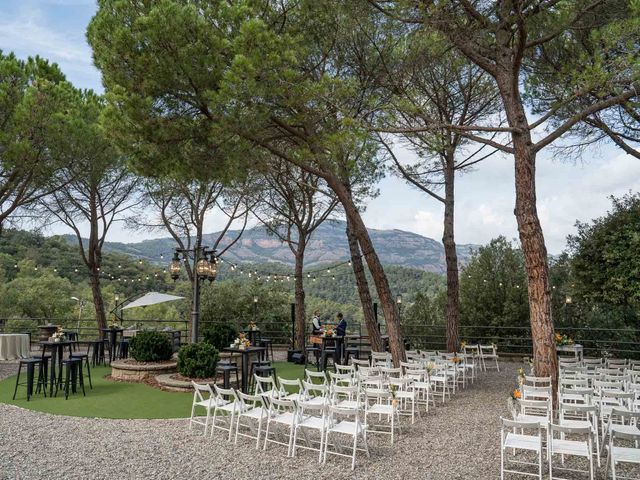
point(150, 347)
point(220, 335)
point(198, 360)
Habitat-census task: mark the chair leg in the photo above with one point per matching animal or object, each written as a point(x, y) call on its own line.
point(89, 374)
point(17, 380)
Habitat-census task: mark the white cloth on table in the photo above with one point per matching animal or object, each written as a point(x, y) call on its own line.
point(14, 345)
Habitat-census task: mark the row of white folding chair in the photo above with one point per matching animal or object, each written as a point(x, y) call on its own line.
point(292, 414)
point(514, 438)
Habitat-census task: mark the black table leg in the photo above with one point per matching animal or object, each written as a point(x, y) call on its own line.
point(245, 372)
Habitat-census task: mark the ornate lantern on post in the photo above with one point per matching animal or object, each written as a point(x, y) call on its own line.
point(205, 268)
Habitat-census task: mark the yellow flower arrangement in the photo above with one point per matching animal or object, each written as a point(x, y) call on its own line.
point(563, 339)
point(462, 345)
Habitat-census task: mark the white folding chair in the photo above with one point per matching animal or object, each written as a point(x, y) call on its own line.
point(345, 397)
point(487, 354)
point(203, 397)
point(346, 369)
point(226, 406)
point(380, 402)
point(359, 363)
point(290, 389)
point(315, 377)
point(405, 395)
point(570, 447)
point(382, 359)
point(344, 422)
point(283, 413)
point(252, 409)
point(618, 453)
point(315, 393)
point(421, 387)
point(621, 420)
point(266, 386)
point(517, 442)
point(311, 417)
point(580, 416)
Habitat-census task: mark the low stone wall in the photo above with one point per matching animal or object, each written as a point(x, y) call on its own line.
point(139, 372)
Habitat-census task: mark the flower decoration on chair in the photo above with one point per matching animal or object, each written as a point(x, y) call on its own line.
point(563, 339)
point(393, 388)
point(516, 395)
point(463, 344)
point(252, 326)
point(521, 375)
point(242, 342)
point(456, 359)
point(430, 366)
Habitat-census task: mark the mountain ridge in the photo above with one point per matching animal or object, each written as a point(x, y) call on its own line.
point(328, 245)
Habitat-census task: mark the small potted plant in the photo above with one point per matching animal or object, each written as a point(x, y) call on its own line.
point(58, 336)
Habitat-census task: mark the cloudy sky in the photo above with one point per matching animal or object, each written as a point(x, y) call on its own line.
point(568, 190)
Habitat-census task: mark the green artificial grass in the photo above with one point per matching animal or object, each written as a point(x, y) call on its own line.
point(110, 399)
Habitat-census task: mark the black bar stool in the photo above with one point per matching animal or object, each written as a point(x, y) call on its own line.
point(258, 363)
point(328, 353)
point(226, 368)
point(351, 350)
point(312, 350)
point(31, 364)
point(267, 343)
point(72, 376)
point(46, 360)
point(262, 371)
point(84, 358)
point(96, 349)
point(123, 348)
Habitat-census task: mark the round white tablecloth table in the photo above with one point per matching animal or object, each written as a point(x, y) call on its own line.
point(14, 345)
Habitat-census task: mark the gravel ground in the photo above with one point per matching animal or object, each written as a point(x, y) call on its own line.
point(459, 440)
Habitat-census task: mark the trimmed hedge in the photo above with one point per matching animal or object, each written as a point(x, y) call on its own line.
point(150, 347)
point(198, 360)
point(220, 335)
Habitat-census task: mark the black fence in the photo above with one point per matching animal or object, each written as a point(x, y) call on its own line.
point(86, 328)
point(621, 342)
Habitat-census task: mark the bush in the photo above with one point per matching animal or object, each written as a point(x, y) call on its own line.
point(220, 335)
point(151, 347)
point(198, 360)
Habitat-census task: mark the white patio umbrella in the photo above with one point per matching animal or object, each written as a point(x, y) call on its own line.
point(151, 298)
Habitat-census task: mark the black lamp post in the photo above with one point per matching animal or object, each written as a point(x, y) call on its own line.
point(205, 265)
point(255, 308)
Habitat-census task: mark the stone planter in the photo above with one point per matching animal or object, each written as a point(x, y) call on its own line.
point(174, 385)
point(139, 372)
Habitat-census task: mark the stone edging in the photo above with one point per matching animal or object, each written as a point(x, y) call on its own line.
point(120, 370)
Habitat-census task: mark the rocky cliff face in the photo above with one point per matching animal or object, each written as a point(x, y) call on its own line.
point(328, 245)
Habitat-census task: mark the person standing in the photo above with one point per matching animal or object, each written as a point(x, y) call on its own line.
point(341, 329)
point(316, 326)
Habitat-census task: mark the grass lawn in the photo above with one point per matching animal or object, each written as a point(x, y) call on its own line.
point(117, 399)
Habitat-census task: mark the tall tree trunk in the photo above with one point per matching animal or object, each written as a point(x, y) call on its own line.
point(94, 262)
point(299, 294)
point(363, 291)
point(389, 307)
point(451, 256)
point(530, 232)
point(98, 301)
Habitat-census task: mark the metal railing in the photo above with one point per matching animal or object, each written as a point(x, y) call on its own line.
point(516, 340)
point(616, 342)
point(86, 328)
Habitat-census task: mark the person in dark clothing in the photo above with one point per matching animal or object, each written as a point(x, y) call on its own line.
point(316, 326)
point(341, 329)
